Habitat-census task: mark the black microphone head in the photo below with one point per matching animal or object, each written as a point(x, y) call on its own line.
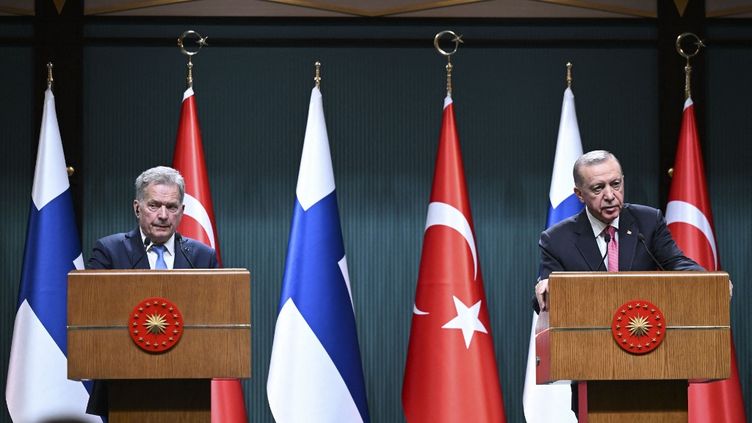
point(147, 241)
point(607, 237)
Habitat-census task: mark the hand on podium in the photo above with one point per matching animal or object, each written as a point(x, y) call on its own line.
point(541, 294)
point(731, 289)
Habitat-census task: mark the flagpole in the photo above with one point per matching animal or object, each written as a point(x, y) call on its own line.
point(450, 373)
point(37, 387)
point(315, 372)
point(227, 398)
point(50, 81)
point(688, 204)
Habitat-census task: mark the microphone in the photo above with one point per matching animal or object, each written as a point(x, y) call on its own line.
point(607, 238)
point(179, 239)
point(641, 237)
point(147, 243)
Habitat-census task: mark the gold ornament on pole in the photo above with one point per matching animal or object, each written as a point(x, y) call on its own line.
point(50, 79)
point(569, 75)
point(200, 42)
point(457, 40)
point(317, 78)
point(687, 68)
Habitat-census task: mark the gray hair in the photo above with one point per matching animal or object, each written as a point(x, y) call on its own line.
point(160, 175)
point(589, 159)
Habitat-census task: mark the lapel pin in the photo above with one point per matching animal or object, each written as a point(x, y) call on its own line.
point(629, 232)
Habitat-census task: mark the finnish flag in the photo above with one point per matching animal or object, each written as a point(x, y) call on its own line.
point(552, 403)
point(37, 388)
point(315, 374)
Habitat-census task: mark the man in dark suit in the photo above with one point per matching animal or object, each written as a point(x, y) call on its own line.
point(154, 244)
point(579, 243)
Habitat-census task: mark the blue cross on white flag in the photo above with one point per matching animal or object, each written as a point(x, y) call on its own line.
point(552, 403)
point(315, 373)
point(37, 388)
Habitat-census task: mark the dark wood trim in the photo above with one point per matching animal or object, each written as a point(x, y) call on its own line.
point(58, 38)
point(671, 81)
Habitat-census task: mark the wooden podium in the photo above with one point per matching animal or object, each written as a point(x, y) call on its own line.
point(574, 341)
point(169, 386)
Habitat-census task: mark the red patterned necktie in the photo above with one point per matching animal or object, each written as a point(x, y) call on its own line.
point(613, 250)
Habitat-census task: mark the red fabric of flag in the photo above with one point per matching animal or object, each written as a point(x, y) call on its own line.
point(451, 373)
point(227, 400)
point(198, 220)
point(690, 221)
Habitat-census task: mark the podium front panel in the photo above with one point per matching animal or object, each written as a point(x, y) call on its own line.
point(574, 340)
point(216, 340)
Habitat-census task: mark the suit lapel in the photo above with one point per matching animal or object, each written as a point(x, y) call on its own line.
point(136, 250)
point(628, 231)
point(586, 242)
point(181, 254)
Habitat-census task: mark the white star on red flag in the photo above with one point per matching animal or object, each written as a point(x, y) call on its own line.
point(467, 320)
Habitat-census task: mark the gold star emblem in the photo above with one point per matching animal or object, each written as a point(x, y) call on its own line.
point(639, 326)
point(155, 323)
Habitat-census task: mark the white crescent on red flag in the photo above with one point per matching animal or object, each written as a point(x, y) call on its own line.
point(451, 373)
point(690, 221)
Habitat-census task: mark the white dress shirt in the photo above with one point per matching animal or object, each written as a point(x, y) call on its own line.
point(169, 254)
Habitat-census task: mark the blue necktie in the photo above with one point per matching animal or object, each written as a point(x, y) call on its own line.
point(159, 249)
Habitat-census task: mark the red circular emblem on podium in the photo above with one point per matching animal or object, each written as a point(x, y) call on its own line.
point(638, 327)
point(155, 325)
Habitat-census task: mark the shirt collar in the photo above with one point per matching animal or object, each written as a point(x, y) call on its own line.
point(599, 226)
point(169, 245)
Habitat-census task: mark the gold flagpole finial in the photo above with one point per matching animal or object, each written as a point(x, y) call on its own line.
point(688, 68)
point(457, 39)
point(200, 42)
point(569, 74)
point(50, 79)
point(449, 76)
point(317, 77)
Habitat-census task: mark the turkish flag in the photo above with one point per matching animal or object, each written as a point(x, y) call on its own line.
point(227, 400)
point(451, 373)
point(198, 220)
point(690, 221)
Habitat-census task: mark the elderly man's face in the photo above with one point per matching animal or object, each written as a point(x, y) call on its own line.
point(602, 189)
point(160, 211)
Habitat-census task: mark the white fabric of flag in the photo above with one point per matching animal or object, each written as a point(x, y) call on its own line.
point(37, 388)
point(315, 373)
point(553, 403)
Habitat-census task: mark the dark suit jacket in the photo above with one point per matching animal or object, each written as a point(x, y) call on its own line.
point(127, 251)
point(571, 246)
